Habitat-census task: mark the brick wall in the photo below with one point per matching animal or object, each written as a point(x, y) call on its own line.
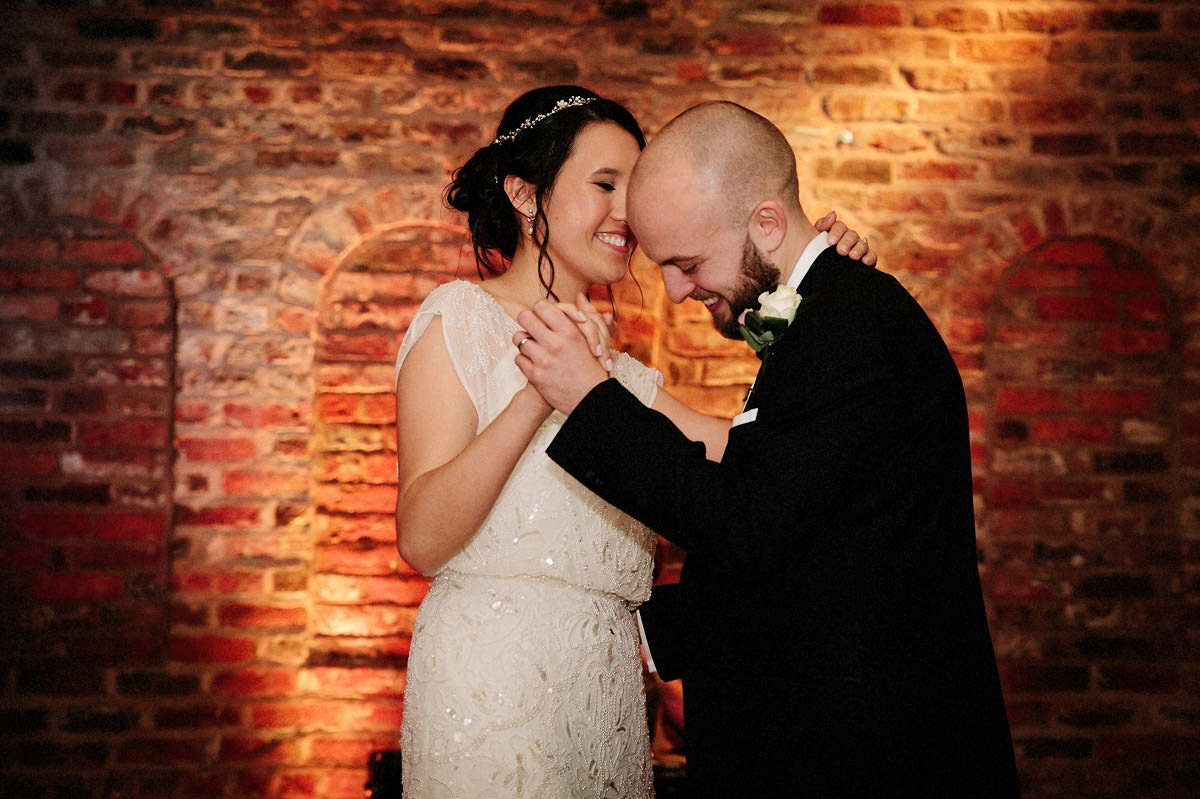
point(216, 219)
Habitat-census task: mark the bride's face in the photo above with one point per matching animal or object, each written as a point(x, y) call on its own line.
point(585, 209)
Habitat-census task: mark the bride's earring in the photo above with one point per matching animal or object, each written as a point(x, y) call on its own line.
point(530, 213)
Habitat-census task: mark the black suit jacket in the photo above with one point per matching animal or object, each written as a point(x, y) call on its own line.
point(828, 625)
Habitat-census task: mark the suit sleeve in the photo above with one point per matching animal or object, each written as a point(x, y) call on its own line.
point(842, 412)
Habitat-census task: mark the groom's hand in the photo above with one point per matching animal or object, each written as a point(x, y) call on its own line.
point(555, 357)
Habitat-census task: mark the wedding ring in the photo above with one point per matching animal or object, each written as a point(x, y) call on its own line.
point(521, 343)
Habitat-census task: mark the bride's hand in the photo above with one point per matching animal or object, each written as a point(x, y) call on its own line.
point(596, 327)
point(846, 240)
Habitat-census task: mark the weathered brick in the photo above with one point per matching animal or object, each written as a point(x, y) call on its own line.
point(216, 449)
point(1134, 341)
point(78, 586)
point(1066, 308)
point(1029, 400)
point(261, 617)
point(871, 14)
point(1115, 401)
point(211, 649)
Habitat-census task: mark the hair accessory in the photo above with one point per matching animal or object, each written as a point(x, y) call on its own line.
point(570, 102)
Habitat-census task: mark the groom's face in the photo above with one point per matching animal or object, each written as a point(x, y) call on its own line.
point(701, 255)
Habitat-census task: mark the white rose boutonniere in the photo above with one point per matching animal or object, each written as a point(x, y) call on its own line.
point(764, 327)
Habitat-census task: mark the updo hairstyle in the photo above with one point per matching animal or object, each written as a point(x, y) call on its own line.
point(534, 152)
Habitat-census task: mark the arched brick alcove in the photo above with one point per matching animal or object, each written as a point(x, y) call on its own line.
point(364, 597)
point(1081, 505)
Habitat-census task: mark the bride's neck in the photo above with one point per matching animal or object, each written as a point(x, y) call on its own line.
point(520, 286)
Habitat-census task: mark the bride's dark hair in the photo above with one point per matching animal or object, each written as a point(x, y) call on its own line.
point(535, 153)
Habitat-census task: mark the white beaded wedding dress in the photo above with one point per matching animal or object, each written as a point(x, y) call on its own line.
point(524, 676)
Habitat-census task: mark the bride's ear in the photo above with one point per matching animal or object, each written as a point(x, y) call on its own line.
point(522, 194)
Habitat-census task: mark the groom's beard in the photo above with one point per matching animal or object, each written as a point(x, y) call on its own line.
point(754, 277)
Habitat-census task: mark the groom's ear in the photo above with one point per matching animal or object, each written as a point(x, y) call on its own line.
point(768, 226)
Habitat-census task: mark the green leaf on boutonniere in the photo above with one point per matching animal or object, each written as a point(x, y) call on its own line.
point(761, 331)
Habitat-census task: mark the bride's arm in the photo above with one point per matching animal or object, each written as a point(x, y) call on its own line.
point(448, 476)
point(712, 431)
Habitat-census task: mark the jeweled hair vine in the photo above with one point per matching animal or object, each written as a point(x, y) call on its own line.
point(565, 103)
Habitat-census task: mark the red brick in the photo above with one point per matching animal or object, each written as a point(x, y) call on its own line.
point(1072, 253)
point(1012, 492)
point(110, 556)
point(121, 252)
point(1134, 341)
point(256, 682)
point(306, 784)
point(220, 516)
point(238, 614)
point(1115, 401)
point(23, 559)
point(163, 752)
point(55, 524)
point(1028, 335)
point(211, 649)
point(16, 248)
point(1029, 400)
point(348, 751)
point(30, 463)
point(189, 580)
point(875, 14)
point(83, 586)
point(363, 347)
point(247, 749)
point(123, 434)
point(1077, 309)
point(195, 717)
point(1146, 309)
point(377, 409)
point(128, 282)
point(297, 414)
point(29, 308)
point(1037, 678)
point(264, 484)
point(1016, 583)
point(1073, 491)
point(144, 313)
point(195, 412)
point(1141, 750)
point(1065, 431)
point(1040, 277)
point(337, 407)
point(342, 783)
point(354, 683)
point(309, 715)
point(86, 310)
point(49, 279)
point(216, 449)
point(399, 591)
point(1123, 280)
point(351, 498)
point(133, 526)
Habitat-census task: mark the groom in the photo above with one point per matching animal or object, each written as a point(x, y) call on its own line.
point(829, 625)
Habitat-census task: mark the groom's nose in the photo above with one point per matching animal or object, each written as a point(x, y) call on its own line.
point(678, 286)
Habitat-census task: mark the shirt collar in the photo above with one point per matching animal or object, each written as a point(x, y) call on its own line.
point(814, 248)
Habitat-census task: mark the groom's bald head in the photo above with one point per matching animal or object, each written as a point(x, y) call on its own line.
point(733, 157)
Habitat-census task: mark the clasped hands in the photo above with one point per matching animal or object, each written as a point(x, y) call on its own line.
point(563, 350)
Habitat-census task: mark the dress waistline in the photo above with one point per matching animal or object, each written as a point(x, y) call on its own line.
point(450, 574)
